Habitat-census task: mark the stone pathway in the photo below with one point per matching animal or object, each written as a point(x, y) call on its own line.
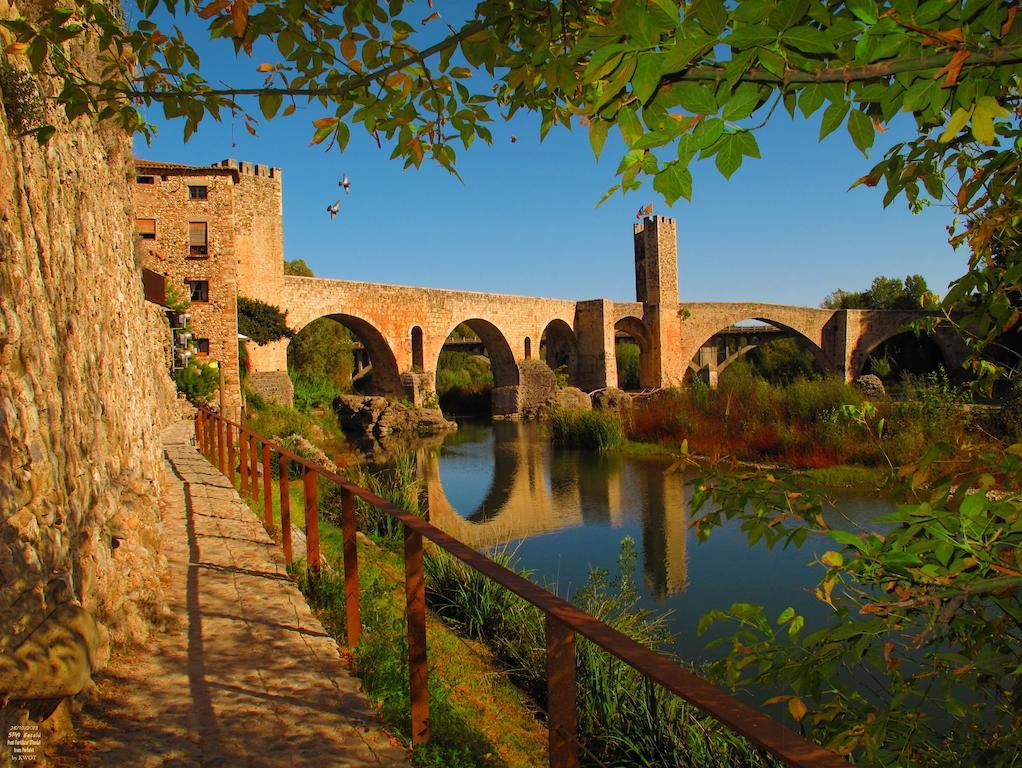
point(245, 675)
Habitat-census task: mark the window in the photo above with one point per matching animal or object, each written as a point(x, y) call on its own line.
point(201, 346)
point(197, 192)
point(197, 243)
point(146, 228)
point(145, 179)
point(199, 289)
point(417, 348)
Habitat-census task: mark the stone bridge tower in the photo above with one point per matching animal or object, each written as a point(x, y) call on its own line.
point(656, 288)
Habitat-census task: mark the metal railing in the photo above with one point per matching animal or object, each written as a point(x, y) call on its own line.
point(225, 442)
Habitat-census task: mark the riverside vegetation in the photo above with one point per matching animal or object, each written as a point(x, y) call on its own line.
point(623, 719)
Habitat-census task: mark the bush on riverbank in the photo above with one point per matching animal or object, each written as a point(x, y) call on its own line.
point(800, 424)
point(623, 719)
point(595, 430)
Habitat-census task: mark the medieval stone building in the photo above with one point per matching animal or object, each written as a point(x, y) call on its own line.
point(211, 230)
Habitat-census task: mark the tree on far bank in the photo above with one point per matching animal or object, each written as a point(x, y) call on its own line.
point(883, 293)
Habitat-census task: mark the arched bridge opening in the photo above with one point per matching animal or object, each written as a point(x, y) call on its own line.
point(633, 347)
point(906, 353)
point(476, 370)
point(558, 346)
point(774, 351)
point(350, 351)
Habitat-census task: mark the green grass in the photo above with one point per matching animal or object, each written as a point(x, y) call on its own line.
point(477, 717)
point(596, 430)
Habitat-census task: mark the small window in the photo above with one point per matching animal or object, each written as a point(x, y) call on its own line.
point(201, 346)
point(197, 192)
point(145, 179)
point(199, 289)
point(197, 243)
point(146, 228)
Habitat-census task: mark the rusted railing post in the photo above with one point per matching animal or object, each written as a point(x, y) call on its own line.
point(353, 611)
point(253, 469)
point(208, 430)
point(562, 715)
point(311, 524)
point(221, 457)
point(230, 453)
point(198, 429)
point(285, 509)
point(267, 491)
point(418, 664)
point(243, 462)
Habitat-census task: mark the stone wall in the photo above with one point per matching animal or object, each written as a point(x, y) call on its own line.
point(83, 394)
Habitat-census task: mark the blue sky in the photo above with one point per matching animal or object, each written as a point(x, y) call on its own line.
point(784, 229)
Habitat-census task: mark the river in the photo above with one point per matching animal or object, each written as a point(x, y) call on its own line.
point(566, 512)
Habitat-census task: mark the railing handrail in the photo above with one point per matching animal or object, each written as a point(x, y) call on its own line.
point(759, 728)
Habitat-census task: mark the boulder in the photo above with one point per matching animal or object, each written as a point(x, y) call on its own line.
point(871, 386)
point(610, 399)
point(573, 398)
point(379, 416)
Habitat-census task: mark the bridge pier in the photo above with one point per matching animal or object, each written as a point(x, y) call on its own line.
point(707, 363)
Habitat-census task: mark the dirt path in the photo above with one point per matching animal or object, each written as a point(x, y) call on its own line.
point(244, 674)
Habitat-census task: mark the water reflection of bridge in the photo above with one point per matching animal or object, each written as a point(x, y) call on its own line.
point(535, 490)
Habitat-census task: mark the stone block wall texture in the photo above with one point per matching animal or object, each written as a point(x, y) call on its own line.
point(80, 414)
point(167, 201)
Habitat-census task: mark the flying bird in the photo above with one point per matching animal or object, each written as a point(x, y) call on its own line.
point(334, 209)
point(514, 138)
point(345, 183)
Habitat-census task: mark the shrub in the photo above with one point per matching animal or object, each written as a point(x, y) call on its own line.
point(197, 381)
point(262, 322)
point(597, 430)
point(313, 391)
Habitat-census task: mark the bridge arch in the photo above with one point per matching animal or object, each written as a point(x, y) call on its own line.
point(708, 363)
point(950, 350)
point(386, 378)
point(560, 344)
point(639, 332)
point(502, 359)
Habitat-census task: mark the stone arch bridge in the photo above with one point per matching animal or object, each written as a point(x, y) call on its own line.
point(403, 329)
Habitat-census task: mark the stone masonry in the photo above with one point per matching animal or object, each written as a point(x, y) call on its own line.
point(403, 329)
point(83, 395)
point(240, 206)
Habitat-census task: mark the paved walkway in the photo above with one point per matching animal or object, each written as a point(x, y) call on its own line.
point(245, 675)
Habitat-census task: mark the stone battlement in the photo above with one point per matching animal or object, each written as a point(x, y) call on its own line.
point(250, 169)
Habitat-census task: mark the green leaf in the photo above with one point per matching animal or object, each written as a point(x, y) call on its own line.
point(786, 615)
point(860, 126)
point(269, 103)
point(670, 8)
point(788, 12)
point(647, 76)
point(864, 10)
point(808, 40)
point(598, 134)
point(810, 100)
point(697, 99)
point(674, 181)
point(742, 103)
point(732, 147)
point(685, 50)
point(846, 537)
point(833, 116)
point(628, 122)
point(711, 15)
point(37, 52)
point(750, 37)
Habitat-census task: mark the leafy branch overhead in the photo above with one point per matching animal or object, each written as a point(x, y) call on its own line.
point(681, 81)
